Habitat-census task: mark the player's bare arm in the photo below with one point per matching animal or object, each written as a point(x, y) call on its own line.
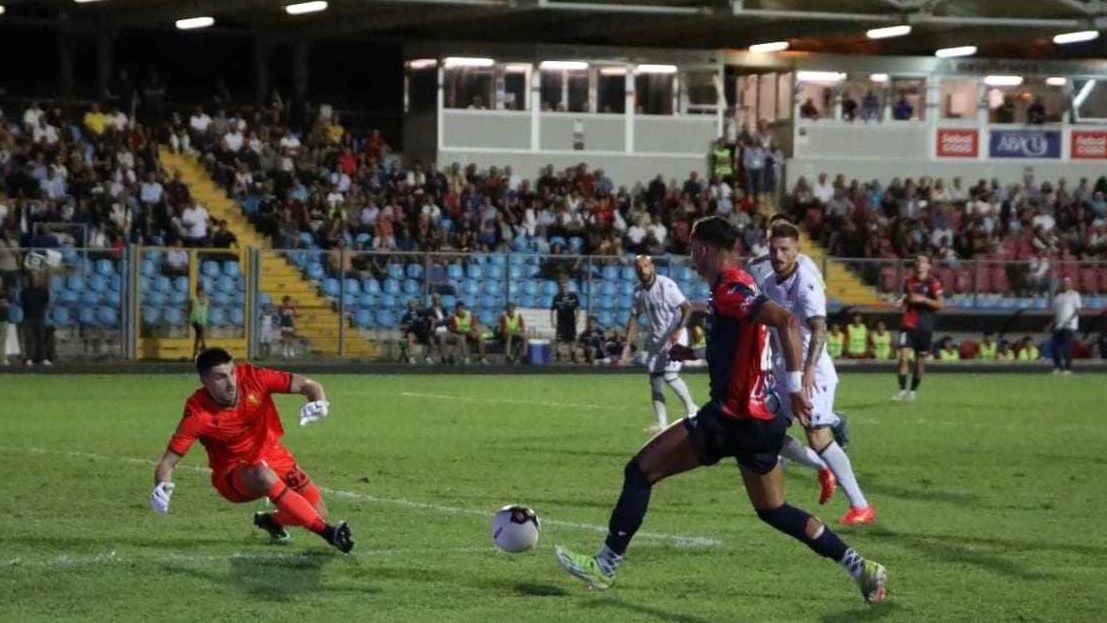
point(685, 316)
point(163, 472)
point(317, 407)
point(632, 334)
point(817, 324)
point(788, 331)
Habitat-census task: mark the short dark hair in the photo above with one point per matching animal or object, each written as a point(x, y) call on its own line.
point(785, 229)
point(715, 231)
point(210, 358)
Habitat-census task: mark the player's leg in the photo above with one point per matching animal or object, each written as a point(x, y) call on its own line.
point(260, 480)
point(657, 398)
point(805, 455)
point(679, 387)
point(766, 493)
point(669, 453)
point(1056, 351)
point(902, 365)
point(821, 438)
point(1066, 349)
point(509, 346)
point(921, 347)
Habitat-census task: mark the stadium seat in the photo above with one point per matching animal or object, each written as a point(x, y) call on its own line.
point(526, 300)
point(238, 299)
point(231, 269)
point(306, 240)
point(388, 301)
point(149, 268)
point(474, 271)
point(470, 288)
point(350, 300)
point(107, 317)
point(210, 268)
point(89, 298)
point(60, 317)
point(352, 286)
point(478, 259)
point(75, 283)
point(363, 318)
point(604, 303)
point(605, 319)
point(97, 283)
point(414, 271)
point(370, 286)
point(411, 287)
point(151, 314)
point(153, 297)
point(86, 317)
point(367, 300)
point(331, 287)
point(627, 273)
point(627, 288)
point(495, 288)
point(549, 288)
point(221, 299)
point(489, 301)
point(487, 318)
point(104, 268)
point(607, 288)
point(176, 297)
point(448, 301)
point(454, 271)
point(217, 317)
point(391, 286)
point(316, 271)
point(386, 319)
point(226, 284)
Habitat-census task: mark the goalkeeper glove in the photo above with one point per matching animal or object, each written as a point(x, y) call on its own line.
point(313, 412)
point(159, 497)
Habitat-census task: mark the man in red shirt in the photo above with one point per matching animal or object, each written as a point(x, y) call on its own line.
point(922, 297)
point(234, 418)
point(743, 420)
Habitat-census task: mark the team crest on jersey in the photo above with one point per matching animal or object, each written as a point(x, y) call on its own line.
point(253, 399)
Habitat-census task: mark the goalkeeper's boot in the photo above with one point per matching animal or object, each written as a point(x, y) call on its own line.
point(585, 568)
point(871, 581)
point(339, 536)
point(276, 531)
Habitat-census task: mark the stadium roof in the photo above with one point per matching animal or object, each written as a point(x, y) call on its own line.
point(1011, 28)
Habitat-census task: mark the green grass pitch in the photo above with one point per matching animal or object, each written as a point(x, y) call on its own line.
point(989, 492)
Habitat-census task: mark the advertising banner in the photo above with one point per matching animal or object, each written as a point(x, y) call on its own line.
point(1089, 144)
point(1025, 144)
point(957, 143)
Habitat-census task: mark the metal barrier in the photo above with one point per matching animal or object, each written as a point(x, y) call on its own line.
point(141, 303)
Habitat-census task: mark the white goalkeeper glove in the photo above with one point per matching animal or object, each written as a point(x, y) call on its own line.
point(313, 412)
point(159, 497)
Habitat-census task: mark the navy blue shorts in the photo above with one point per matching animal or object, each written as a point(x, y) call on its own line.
point(755, 444)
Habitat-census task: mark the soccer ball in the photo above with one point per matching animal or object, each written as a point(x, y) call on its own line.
point(515, 528)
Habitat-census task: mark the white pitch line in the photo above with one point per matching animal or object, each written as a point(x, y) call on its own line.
point(676, 539)
point(71, 560)
point(510, 401)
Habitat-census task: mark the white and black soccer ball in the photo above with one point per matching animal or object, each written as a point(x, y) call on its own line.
point(515, 528)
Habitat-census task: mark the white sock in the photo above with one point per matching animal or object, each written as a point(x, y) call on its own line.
point(801, 454)
point(608, 560)
point(843, 470)
point(853, 563)
point(658, 401)
point(681, 389)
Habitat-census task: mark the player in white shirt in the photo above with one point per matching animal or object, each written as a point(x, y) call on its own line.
point(1066, 320)
point(794, 284)
point(667, 310)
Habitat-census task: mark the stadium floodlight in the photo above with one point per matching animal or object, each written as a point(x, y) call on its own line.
point(1076, 37)
point(300, 8)
point(613, 71)
point(468, 61)
point(820, 76)
point(3, 9)
point(888, 32)
point(1056, 81)
point(190, 23)
point(86, 1)
point(517, 68)
point(422, 63)
point(655, 69)
point(772, 46)
point(880, 78)
point(1003, 81)
point(563, 65)
point(961, 50)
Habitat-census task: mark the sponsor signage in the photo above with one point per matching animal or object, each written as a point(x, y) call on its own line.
point(957, 143)
point(1025, 144)
point(1089, 145)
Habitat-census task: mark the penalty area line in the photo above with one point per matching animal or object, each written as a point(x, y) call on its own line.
point(677, 540)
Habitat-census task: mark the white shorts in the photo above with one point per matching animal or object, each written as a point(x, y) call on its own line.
point(657, 357)
point(822, 413)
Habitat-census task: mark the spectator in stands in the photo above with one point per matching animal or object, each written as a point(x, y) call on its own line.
point(988, 348)
point(823, 190)
point(223, 238)
point(948, 351)
point(835, 341)
point(194, 225)
point(857, 339)
point(198, 319)
point(1005, 112)
point(563, 317)
point(808, 110)
point(1004, 352)
point(287, 313)
point(1036, 112)
point(95, 121)
point(35, 301)
point(1066, 321)
point(464, 333)
point(340, 262)
point(176, 260)
point(513, 334)
point(753, 164)
point(1027, 350)
point(591, 341)
point(870, 106)
point(903, 110)
point(849, 108)
point(10, 258)
point(413, 330)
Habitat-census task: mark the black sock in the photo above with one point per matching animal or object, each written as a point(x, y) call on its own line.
point(630, 509)
point(915, 382)
point(793, 522)
point(902, 381)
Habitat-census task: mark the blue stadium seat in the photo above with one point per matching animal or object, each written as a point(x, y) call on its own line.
point(162, 284)
point(236, 316)
point(610, 272)
point(367, 300)
point(364, 318)
point(558, 240)
point(386, 319)
point(516, 260)
point(606, 288)
point(414, 271)
point(86, 317)
point(238, 299)
point(221, 299)
point(448, 301)
point(606, 319)
point(627, 273)
point(470, 287)
point(231, 269)
point(90, 298)
point(604, 302)
point(371, 286)
point(388, 301)
point(316, 271)
point(626, 301)
point(115, 283)
point(226, 284)
point(353, 286)
point(517, 272)
point(69, 297)
point(349, 300)
point(75, 283)
point(411, 287)
point(391, 286)
point(107, 317)
point(306, 240)
point(520, 244)
point(180, 284)
point(493, 287)
point(97, 283)
point(210, 268)
point(298, 258)
point(330, 287)
point(489, 301)
point(494, 271)
point(478, 259)
point(176, 297)
point(530, 288)
point(154, 297)
point(454, 271)
point(149, 268)
point(104, 268)
point(474, 271)
point(217, 317)
point(396, 271)
point(549, 288)
point(627, 288)
point(151, 314)
point(60, 317)
point(545, 301)
point(173, 316)
point(487, 317)
point(498, 259)
point(526, 300)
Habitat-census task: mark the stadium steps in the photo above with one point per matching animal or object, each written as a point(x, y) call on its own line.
point(841, 282)
point(176, 348)
point(317, 322)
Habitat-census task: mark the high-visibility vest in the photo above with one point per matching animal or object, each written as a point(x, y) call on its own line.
point(1005, 356)
point(699, 338)
point(834, 342)
point(987, 352)
point(511, 323)
point(722, 166)
point(1030, 353)
point(949, 355)
point(882, 345)
point(857, 340)
point(464, 322)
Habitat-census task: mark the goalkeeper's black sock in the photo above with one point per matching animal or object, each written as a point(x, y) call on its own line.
point(902, 381)
point(915, 382)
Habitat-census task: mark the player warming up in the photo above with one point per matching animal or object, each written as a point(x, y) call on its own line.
point(667, 311)
point(922, 297)
point(798, 288)
point(737, 422)
point(234, 418)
